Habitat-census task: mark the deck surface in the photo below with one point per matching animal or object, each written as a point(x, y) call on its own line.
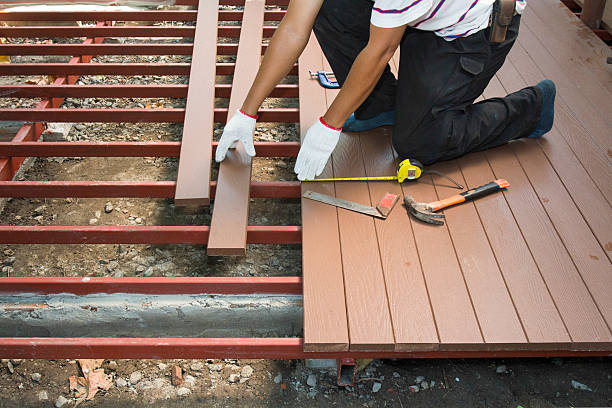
point(526, 269)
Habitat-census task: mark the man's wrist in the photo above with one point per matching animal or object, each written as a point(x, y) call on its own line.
point(330, 123)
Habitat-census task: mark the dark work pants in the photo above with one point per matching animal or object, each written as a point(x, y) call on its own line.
point(438, 81)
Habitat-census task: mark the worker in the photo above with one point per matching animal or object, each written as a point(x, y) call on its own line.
point(446, 61)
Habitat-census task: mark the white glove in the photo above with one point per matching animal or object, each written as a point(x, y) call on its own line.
point(239, 128)
point(318, 145)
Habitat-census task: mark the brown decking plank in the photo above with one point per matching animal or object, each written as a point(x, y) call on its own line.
point(325, 321)
point(589, 155)
point(567, 27)
point(568, 91)
point(587, 254)
point(574, 302)
point(368, 313)
point(193, 179)
point(537, 311)
point(231, 210)
point(452, 307)
point(499, 322)
point(369, 319)
point(574, 66)
point(579, 312)
point(411, 314)
point(585, 194)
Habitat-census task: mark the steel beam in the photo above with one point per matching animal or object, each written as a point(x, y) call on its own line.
point(154, 285)
point(125, 91)
point(111, 49)
point(127, 149)
point(172, 115)
point(118, 31)
point(166, 15)
point(31, 132)
point(251, 348)
point(132, 189)
point(224, 68)
point(195, 235)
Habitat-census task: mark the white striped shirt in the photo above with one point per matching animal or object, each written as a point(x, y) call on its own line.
point(449, 19)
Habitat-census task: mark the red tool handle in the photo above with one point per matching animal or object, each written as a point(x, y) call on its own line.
point(472, 194)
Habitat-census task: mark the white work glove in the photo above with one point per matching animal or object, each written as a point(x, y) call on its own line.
point(239, 128)
point(318, 145)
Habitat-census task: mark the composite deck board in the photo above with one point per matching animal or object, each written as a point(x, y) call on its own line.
point(577, 37)
point(526, 269)
point(590, 156)
point(571, 64)
point(193, 179)
point(498, 319)
point(370, 323)
point(325, 321)
point(567, 90)
point(579, 312)
point(404, 281)
point(231, 210)
point(537, 311)
point(565, 211)
point(569, 171)
point(369, 319)
point(452, 307)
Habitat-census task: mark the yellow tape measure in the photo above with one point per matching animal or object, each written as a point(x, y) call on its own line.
point(408, 169)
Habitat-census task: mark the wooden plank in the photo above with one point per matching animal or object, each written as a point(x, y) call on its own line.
point(579, 312)
point(493, 305)
point(588, 199)
point(411, 314)
point(325, 321)
point(452, 307)
point(592, 12)
point(537, 311)
point(584, 323)
point(579, 91)
point(368, 313)
point(588, 256)
point(574, 134)
point(581, 62)
point(231, 209)
point(369, 320)
point(566, 26)
point(193, 177)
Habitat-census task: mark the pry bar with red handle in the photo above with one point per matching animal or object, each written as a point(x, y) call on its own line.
point(426, 211)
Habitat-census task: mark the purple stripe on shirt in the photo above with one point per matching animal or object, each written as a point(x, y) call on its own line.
point(433, 13)
point(468, 10)
point(396, 11)
point(458, 35)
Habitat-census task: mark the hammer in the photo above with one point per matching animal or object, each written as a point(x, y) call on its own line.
point(426, 211)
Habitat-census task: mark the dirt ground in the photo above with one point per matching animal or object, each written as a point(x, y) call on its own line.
point(406, 383)
point(536, 383)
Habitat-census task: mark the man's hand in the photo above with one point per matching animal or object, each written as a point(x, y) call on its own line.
point(239, 128)
point(318, 145)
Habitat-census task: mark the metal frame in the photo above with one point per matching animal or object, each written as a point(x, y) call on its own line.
point(25, 144)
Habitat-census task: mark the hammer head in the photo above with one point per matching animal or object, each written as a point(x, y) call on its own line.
point(422, 211)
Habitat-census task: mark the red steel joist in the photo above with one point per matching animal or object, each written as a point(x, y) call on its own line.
point(197, 348)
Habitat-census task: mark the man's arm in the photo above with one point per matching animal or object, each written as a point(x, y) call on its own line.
point(286, 45)
point(365, 73)
point(322, 137)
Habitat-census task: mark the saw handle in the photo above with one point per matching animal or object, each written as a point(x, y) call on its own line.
point(472, 194)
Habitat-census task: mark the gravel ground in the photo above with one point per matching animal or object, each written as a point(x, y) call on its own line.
point(216, 383)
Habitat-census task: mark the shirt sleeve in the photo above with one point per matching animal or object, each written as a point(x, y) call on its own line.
point(396, 13)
